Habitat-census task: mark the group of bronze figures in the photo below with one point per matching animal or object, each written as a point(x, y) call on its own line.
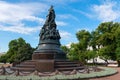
point(48, 30)
point(47, 34)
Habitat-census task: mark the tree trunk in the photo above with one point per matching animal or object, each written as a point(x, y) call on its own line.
point(93, 61)
point(118, 63)
point(106, 62)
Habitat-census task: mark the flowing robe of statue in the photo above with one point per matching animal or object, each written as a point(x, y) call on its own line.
point(50, 20)
point(48, 31)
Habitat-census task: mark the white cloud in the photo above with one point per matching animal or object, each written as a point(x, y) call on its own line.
point(61, 23)
point(65, 35)
point(14, 14)
point(69, 44)
point(19, 29)
point(68, 16)
point(84, 13)
point(108, 11)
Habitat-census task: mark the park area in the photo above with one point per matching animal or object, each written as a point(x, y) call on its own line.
point(81, 50)
point(112, 77)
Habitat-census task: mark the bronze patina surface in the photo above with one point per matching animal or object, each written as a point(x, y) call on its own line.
point(49, 41)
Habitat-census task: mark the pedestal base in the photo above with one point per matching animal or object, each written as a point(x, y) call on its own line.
point(41, 56)
point(45, 65)
point(48, 56)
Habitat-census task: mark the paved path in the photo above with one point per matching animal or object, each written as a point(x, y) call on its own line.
point(112, 77)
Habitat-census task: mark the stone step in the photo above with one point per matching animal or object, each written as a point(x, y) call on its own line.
point(25, 66)
point(67, 65)
point(70, 68)
point(28, 63)
point(59, 63)
point(64, 60)
point(22, 69)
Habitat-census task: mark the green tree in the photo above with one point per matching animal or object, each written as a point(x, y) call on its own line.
point(19, 50)
point(78, 50)
point(109, 40)
point(73, 53)
point(65, 49)
point(118, 55)
point(117, 36)
point(3, 58)
point(104, 54)
point(91, 54)
point(105, 42)
point(83, 37)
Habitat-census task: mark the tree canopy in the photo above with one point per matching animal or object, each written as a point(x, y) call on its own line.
point(104, 41)
point(19, 50)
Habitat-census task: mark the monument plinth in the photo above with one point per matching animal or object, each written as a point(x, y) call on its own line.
point(49, 42)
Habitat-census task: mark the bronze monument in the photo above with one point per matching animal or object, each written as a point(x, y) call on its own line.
point(49, 42)
point(48, 57)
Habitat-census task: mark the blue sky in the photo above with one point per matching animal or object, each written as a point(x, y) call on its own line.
point(24, 18)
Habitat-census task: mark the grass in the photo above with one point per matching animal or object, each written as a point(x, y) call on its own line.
point(81, 76)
